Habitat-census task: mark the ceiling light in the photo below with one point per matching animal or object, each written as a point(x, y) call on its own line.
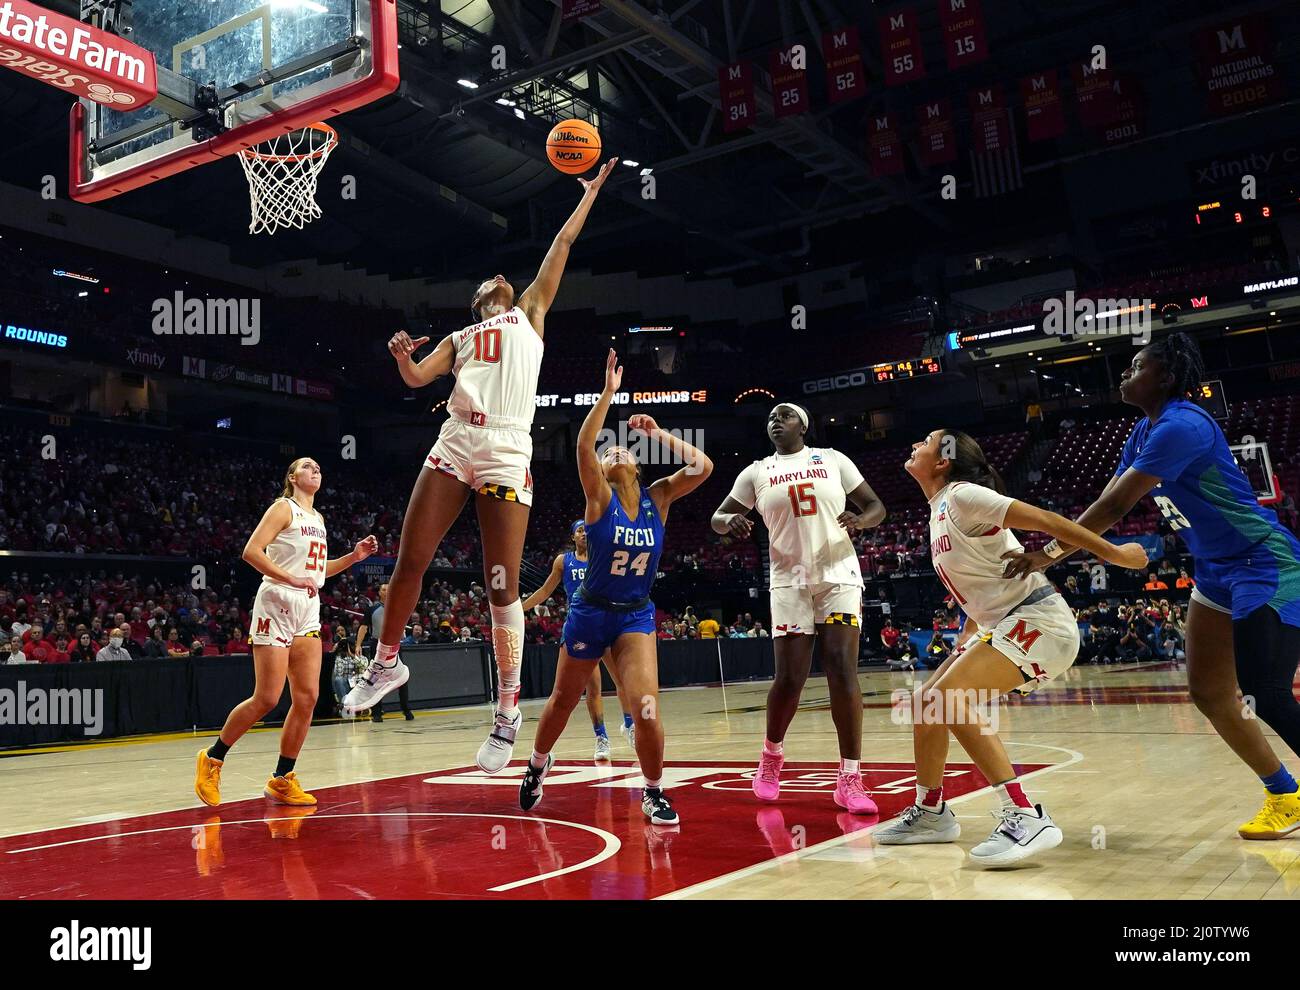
point(468, 84)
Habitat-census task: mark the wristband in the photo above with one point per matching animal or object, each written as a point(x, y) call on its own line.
point(1054, 550)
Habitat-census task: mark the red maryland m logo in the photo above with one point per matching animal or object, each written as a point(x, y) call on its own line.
point(1023, 636)
point(264, 626)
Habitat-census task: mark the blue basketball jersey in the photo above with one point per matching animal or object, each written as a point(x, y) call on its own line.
point(622, 553)
point(574, 571)
point(1203, 493)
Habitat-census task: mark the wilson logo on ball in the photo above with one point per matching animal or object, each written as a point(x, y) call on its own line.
point(573, 146)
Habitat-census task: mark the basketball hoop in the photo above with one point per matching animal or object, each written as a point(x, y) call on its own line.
point(282, 176)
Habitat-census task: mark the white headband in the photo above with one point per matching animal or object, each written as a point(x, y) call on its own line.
point(798, 411)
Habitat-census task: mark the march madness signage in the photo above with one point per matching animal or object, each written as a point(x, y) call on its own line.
point(736, 89)
point(76, 57)
point(1044, 115)
point(886, 150)
point(900, 47)
point(789, 68)
point(1236, 66)
point(963, 32)
point(936, 141)
point(845, 79)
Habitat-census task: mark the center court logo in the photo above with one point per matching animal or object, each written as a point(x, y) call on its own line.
point(208, 317)
point(22, 705)
point(77, 944)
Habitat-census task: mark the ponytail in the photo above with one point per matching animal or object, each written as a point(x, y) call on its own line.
point(968, 462)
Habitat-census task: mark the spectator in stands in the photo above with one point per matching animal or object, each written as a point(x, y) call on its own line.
point(666, 630)
point(176, 647)
point(114, 650)
point(757, 631)
point(1167, 571)
point(1133, 645)
point(889, 637)
point(735, 632)
point(936, 651)
point(415, 637)
point(155, 647)
point(83, 651)
point(1154, 584)
point(346, 666)
point(38, 647)
point(14, 653)
point(1184, 580)
point(708, 627)
point(238, 641)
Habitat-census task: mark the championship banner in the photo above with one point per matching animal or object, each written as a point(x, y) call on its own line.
point(1093, 93)
point(963, 32)
point(900, 47)
point(1044, 115)
point(1236, 64)
point(883, 146)
point(574, 9)
point(76, 57)
point(789, 85)
point(936, 140)
point(990, 128)
point(1128, 116)
point(845, 78)
point(736, 90)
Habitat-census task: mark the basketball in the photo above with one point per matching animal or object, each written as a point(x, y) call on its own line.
point(573, 146)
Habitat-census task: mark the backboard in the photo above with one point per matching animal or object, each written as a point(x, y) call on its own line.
point(264, 67)
point(1253, 459)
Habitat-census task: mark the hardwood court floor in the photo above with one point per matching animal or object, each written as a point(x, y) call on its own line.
point(1147, 796)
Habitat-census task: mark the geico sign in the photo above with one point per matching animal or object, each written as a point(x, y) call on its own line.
point(850, 379)
point(81, 59)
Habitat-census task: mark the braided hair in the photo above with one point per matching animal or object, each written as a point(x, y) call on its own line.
point(1181, 358)
point(968, 461)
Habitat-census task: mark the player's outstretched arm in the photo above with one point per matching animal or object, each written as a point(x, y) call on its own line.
point(548, 587)
point(433, 365)
point(360, 552)
point(537, 298)
point(594, 485)
point(683, 481)
point(1116, 501)
point(1022, 515)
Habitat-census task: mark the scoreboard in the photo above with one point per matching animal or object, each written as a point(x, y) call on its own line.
point(897, 370)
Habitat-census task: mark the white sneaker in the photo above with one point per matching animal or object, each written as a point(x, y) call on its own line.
point(629, 733)
point(602, 749)
point(495, 752)
point(1020, 833)
point(379, 681)
point(916, 825)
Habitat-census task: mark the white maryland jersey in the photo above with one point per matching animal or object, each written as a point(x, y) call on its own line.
point(800, 497)
point(967, 541)
point(496, 368)
point(300, 548)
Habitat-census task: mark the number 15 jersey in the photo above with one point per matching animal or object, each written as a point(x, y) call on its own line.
point(800, 497)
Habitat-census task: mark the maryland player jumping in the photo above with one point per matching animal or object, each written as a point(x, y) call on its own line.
point(484, 448)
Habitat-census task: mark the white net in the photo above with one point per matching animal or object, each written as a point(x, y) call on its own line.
point(282, 176)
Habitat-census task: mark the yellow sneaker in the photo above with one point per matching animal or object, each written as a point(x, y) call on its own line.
point(287, 790)
point(207, 779)
point(1279, 817)
point(286, 823)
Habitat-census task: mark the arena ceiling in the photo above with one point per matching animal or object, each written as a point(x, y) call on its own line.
point(757, 203)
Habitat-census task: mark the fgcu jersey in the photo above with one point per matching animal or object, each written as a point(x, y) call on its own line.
point(496, 368)
point(623, 553)
point(800, 497)
point(1203, 494)
point(300, 548)
point(573, 573)
point(967, 541)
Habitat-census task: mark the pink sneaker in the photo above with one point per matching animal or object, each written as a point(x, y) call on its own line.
point(852, 796)
point(767, 782)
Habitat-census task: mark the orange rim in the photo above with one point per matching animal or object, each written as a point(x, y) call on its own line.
point(331, 137)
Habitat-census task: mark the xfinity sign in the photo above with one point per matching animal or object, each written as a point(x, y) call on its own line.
point(849, 379)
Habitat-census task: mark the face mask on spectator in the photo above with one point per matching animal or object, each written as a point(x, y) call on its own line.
point(115, 641)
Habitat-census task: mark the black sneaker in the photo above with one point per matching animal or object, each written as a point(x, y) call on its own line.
point(410, 716)
point(530, 788)
point(376, 717)
point(656, 806)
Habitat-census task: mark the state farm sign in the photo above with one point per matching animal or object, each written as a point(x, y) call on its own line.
point(81, 59)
